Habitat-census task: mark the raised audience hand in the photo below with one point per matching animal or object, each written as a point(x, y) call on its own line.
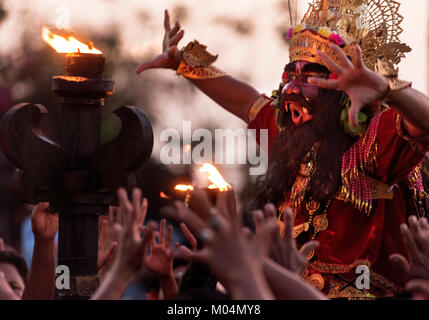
point(43, 223)
point(283, 249)
point(131, 246)
point(161, 256)
point(416, 241)
point(236, 260)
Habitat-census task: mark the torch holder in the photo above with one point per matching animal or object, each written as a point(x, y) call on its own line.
point(75, 174)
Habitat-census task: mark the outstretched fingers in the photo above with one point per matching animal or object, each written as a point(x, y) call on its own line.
point(307, 248)
point(410, 243)
point(324, 83)
point(169, 236)
point(357, 58)
point(400, 262)
point(162, 232)
point(355, 108)
point(167, 26)
point(189, 236)
point(176, 38)
point(343, 59)
point(330, 64)
point(288, 236)
point(125, 206)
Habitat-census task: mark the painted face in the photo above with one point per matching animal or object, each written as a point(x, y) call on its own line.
point(299, 95)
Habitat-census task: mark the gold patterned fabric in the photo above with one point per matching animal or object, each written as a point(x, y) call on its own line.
point(257, 106)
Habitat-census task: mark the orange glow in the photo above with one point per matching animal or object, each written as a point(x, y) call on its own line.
point(215, 177)
point(163, 195)
point(67, 45)
point(183, 187)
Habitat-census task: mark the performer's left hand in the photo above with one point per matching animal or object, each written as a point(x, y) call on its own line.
point(362, 85)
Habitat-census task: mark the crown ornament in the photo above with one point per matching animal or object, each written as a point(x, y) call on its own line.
point(372, 24)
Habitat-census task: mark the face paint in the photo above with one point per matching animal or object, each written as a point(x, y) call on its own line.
point(297, 90)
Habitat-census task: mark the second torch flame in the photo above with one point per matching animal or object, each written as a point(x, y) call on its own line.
point(218, 182)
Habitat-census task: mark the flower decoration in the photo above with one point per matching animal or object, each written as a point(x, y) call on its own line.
point(336, 38)
point(289, 34)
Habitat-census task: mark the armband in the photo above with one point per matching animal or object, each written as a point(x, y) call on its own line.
point(197, 63)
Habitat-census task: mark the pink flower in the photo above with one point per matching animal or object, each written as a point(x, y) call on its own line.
point(289, 34)
point(336, 38)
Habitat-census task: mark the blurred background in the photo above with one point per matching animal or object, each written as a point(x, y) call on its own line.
point(247, 34)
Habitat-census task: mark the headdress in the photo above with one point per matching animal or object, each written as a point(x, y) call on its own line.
point(372, 24)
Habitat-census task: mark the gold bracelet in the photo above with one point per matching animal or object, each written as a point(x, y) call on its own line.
point(197, 63)
point(387, 70)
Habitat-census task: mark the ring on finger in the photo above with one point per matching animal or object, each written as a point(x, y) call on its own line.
point(213, 222)
point(206, 235)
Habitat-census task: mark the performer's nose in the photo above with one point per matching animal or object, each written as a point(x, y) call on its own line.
point(292, 88)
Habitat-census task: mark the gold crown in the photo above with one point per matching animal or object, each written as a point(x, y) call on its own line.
point(372, 24)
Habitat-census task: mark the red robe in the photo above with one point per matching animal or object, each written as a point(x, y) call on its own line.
point(354, 238)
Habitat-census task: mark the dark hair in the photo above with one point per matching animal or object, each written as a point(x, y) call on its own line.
point(293, 143)
point(13, 258)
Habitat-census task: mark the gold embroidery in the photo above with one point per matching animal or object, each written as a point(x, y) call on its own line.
point(257, 106)
point(202, 73)
point(320, 223)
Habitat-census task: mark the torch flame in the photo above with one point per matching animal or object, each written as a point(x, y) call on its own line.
point(183, 187)
point(66, 45)
point(215, 177)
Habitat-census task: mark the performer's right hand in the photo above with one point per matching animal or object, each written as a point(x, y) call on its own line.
point(171, 56)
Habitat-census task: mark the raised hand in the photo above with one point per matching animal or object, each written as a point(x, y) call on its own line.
point(184, 252)
point(283, 249)
point(106, 248)
point(131, 247)
point(236, 260)
point(416, 241)
point(170, 57)
point(1, 244)
point(43, 223)
point(362, 85)
point(160, 259)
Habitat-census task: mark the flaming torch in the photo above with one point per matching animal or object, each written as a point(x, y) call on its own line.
point(81, 59)
point(75, 173)
point(218, 183)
